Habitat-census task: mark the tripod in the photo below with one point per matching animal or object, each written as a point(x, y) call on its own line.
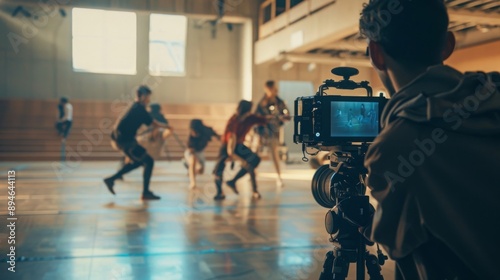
point(350, 247)
point(351, 210)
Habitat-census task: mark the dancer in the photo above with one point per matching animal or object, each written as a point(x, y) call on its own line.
point(65, 118)
point(269, 134)
point(233, 148)
point(124, 136)
point(152, 138)
point(199, 136)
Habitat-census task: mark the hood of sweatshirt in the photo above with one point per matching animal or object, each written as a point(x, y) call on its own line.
point(442, 96)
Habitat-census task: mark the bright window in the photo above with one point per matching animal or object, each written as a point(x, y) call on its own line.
point(104, 41)
point(167, 45)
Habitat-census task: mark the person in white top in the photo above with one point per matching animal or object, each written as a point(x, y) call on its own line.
point(65, 117)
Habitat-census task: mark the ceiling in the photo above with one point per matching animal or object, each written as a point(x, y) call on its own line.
point(473, 22)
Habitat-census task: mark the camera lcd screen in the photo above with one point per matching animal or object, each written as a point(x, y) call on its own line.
point(354, 119)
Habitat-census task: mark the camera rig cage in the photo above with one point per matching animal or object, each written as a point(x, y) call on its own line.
point(327, 120)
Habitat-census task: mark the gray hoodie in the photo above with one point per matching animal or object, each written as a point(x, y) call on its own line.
point(433, 168)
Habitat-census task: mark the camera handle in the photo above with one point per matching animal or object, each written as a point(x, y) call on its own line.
point(346, 83)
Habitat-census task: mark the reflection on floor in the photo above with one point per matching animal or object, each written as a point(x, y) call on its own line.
point(70, 227)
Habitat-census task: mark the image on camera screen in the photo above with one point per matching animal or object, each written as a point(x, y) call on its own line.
point(354, 119)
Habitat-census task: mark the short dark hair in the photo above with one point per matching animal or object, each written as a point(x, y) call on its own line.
point(63, 100)
point(270, 84)
point(410, 31)
point(196, 125)
point(155, 107)
point(244, 107)
point(143, 90)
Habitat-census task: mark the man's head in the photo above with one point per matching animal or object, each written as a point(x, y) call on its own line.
point(244, 107)
point(155, 108)
point(63, 100)
point(406, 34)
point(270, 89)
point(196, 124)
point(144, 95)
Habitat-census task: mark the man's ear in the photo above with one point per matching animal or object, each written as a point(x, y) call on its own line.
point(377, 56)
point(449, 45)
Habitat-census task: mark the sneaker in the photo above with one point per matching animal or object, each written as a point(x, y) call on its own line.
point(219, 196)
point(232, 186)
point(149, 196)
point(256, 195)
point(110, 183)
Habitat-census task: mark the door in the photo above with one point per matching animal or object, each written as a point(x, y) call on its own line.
point(289, 91)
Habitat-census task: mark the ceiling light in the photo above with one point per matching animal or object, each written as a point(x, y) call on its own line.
point(311, 67)
point(287, 66)
point(482, 28)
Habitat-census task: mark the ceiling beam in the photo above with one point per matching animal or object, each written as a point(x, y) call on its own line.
point(491, 5)
point(324, 59)
point(477, 3)
point(476, 37)
point(355, 45)
point(474, 17)
point(456, 3)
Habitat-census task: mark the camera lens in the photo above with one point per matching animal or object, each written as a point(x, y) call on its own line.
point(320, 187)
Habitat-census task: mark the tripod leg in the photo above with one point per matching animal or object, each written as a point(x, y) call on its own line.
point(340, 267)
point(327, 273)
point(373, 267)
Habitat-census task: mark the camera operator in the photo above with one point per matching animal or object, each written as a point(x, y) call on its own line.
point(434, 167)
point(269, 134)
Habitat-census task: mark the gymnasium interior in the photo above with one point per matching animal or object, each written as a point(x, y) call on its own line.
point(199, 58)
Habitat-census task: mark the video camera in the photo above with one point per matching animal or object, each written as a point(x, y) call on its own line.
point(344, 126)
point(333, 120)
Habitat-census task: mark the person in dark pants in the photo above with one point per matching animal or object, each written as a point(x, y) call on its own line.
point(232, 147)
point(60, 115)
point(124, 137)
point(199, 136)
point(362, 113)
point(65, 118)
point(152, 137)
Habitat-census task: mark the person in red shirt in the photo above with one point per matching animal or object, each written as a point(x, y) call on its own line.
point(232, 147)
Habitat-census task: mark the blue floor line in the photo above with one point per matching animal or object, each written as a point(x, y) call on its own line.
point(193, 252)
point(178, 209)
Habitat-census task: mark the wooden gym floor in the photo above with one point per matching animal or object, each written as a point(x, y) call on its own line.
point(70, 227)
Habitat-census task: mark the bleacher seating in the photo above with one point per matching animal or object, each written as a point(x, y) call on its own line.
point(27, 129)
